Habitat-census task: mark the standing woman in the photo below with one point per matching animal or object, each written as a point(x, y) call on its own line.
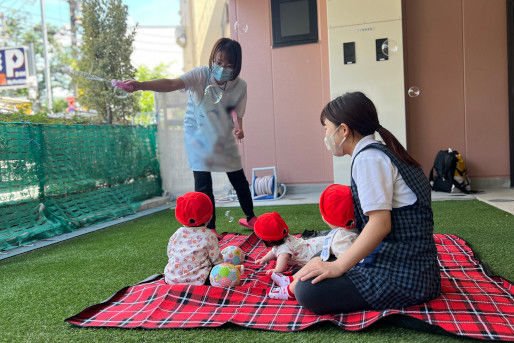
point(209, 132)
point(393, 262)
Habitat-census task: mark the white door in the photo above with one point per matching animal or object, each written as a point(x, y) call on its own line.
point(383, 80)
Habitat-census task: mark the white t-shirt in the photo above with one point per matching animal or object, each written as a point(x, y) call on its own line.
point(301, 250)
point(380, 185)
point(234, 93)
point(208, 126)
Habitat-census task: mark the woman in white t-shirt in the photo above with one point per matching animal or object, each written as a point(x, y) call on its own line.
point(393, 261)
point(210, 131)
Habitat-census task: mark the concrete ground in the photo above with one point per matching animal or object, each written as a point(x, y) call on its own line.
point(502, 198)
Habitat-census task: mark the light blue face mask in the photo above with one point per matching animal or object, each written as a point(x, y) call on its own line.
point(221, 74)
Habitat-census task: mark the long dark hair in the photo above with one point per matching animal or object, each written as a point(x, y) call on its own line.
point(232, 49)
point(358, 112)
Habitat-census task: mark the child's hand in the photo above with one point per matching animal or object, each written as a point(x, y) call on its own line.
point(136, 85)
point(274, 270)
point(260, 261)
point(239, 134)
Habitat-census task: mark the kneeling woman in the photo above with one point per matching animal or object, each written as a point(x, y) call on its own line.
point(393, 261)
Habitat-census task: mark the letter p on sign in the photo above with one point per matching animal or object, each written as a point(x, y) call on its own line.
point(14, 59)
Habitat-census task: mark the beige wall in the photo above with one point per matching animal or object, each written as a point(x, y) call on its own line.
point(287, 88)
point(204, 21)
point(362, 22)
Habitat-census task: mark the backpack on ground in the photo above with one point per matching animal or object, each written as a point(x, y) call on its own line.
point(449, 172)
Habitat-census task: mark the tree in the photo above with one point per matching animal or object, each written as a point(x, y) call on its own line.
point(105, 52)
point(144, 73)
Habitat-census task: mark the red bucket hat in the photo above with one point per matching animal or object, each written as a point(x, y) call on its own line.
point(193, 209)
point(336, 206)
point(271, 227)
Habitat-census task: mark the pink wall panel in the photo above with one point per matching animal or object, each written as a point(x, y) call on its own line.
point(456, 52)
point(434, 63)
point(287, 88)
point(297, 81)
point(258, 149)
point(325, 84)
point(486, 91)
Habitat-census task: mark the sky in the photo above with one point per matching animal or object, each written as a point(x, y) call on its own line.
point(144, 12)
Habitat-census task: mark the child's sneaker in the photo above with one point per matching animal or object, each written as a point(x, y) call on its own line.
point(281, 280)
point(280, 293)
point(249, 224)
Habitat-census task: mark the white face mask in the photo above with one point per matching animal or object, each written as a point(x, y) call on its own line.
point(330, 142)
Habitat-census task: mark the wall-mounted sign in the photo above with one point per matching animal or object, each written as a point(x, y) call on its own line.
point(14, 71)
point(349, 53)
point(381, 56)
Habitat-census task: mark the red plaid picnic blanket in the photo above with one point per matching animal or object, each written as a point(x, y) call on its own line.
point(473, 303)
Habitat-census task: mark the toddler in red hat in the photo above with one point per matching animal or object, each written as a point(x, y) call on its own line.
point(286, 248)
point(336, 207)
point(193, 249)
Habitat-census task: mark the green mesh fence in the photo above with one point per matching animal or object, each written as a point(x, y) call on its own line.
point(57, 178)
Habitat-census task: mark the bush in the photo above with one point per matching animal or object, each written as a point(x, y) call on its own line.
point(60, 105)
point(41, 118)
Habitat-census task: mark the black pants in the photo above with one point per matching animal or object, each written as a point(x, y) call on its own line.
point(330, 296)
point(203, 183)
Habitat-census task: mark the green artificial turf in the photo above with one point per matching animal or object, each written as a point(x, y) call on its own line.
point(38, 290)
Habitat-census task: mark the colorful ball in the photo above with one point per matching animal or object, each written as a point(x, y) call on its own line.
point(225, 275)
point(233, 255)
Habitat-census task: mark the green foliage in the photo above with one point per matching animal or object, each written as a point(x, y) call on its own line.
point(60, 105)
point(105, 52)
point(42, 118)
point(144, 73)
point(146, 101)
point(143, 119)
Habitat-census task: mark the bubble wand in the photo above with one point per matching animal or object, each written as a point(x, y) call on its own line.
point(121, 89)
point(122, 85)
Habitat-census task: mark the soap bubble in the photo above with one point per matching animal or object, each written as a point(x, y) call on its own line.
point(120, 93)
point(229, 216)
point(389, 47)
point(239, 27)
point(213, 94)
point(414, 91)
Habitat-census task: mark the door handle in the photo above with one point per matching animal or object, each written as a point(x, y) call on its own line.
point(414, 91)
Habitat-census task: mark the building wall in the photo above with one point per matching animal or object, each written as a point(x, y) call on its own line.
point(456, 52)
point(486, 87)
point(363, 22)
point(204, 22)
point(287, 89)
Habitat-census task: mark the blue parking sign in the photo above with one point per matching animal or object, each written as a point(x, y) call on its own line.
point(13, 67)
